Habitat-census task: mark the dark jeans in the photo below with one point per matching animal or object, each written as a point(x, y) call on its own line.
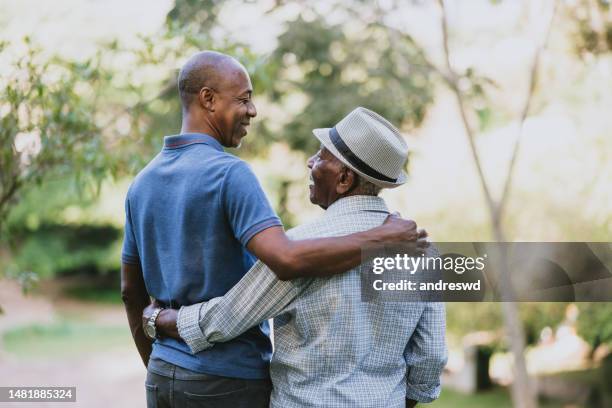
point(170, 386)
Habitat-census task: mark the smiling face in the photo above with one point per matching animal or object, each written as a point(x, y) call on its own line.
point(329, 178)
point(215, 91)
point(233, 108)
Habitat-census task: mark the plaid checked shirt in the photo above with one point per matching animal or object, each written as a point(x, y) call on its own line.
point(331, 349)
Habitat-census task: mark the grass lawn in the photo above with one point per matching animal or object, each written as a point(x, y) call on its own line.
point(95, 295)
point(64, 338)
point(496, 398)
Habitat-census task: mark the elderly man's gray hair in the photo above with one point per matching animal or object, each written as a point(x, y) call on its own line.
point(366, 187)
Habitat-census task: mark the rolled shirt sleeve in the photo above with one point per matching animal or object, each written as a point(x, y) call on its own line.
point(426, 354)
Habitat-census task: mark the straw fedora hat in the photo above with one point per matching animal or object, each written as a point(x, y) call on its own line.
point(368, 144)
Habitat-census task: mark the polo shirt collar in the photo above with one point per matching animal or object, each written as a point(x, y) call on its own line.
point(186, 139)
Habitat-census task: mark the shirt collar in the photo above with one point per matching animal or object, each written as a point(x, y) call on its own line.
point(357, 203)
point(186, 139)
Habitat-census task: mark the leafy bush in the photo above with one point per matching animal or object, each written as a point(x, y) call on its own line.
point(595, 323)
point(48, 242)
point(54, 250)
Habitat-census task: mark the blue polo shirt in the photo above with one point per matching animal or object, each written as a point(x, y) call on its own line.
point(189, 216)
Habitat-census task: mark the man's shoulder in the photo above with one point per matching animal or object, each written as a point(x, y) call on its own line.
point(142, 176)
point(235, 163)
point(317, 228)
point(224, 163)
point(340, 224)
point(302, 231)
point(201, 157)
point(219, 162)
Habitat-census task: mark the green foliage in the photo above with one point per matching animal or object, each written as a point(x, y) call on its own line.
point(65, 338)
point(318, 72)
point(476, 91)
point(87, 119)
point(45, 243)
point(328, 69)
point(194, 14)
point(595, 323)
point(83, 121)
point(53, 250)
point(45, 203)
point(47, 123)
point(537, 316)
point(593, 26)
point(95, 294)
point(497, 397)
point(464, 318)
point(334, 71)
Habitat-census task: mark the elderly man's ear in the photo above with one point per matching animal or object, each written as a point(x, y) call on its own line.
point(347, 180)
point(207, 99)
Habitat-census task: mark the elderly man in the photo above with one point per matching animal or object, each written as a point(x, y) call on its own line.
point(194, 216)
point(332, 349)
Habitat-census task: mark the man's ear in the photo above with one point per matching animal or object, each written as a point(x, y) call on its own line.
point(346, 180)
point(207, 98)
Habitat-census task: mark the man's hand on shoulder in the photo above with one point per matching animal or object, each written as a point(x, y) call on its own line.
point(396, 230)
point(165, 324)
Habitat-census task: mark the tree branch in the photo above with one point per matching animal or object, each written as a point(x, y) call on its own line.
point(451, 79)
point(6, 196)
point(522, 393)
point(378, 22)
point(129, 109)
point(525, 111)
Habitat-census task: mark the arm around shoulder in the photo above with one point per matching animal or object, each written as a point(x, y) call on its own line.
point(320, 257)
point(282, 255)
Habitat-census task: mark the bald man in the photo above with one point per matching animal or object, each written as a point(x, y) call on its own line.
point(196, 218)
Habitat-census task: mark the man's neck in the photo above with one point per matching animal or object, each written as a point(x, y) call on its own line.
point(356, 192)
point(191, 128)
point(189, 125)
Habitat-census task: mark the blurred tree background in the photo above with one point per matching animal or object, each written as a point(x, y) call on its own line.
point(74, 132)
point(72, 125)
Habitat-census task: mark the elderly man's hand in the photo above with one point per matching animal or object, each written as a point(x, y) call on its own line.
point(165, 324)
point(405, 232)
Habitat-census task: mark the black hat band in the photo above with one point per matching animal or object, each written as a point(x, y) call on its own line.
point(359, 164)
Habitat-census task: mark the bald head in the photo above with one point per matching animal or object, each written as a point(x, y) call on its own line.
point(207, 69)
point(216, 92)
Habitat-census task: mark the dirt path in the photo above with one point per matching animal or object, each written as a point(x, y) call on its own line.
point(104, 378)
